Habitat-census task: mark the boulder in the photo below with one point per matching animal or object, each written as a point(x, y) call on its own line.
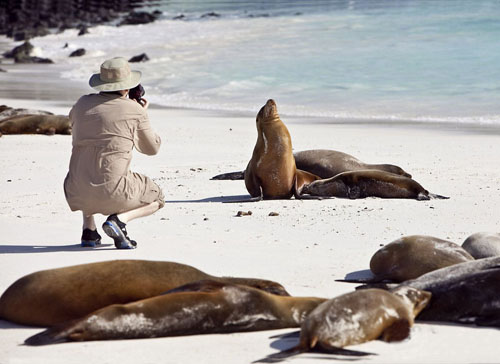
point(139, 58)
point(78, 53)
point(138, 17)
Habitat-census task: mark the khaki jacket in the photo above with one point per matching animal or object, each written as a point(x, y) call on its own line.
point(106, 127)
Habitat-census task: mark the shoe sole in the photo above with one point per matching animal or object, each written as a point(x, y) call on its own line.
point(114, 232)
point(90, 243)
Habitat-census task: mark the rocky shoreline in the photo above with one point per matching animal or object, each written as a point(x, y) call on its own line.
point(22, 19)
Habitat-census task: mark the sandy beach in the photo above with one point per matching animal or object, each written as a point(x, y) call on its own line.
point(306, 247)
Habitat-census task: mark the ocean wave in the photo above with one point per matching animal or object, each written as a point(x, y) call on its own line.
point(389, 62)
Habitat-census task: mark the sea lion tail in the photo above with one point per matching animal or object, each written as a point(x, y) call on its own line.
point(229, 176)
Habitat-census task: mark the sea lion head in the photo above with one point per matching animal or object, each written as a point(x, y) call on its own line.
point(268, 112)
point(415, 298)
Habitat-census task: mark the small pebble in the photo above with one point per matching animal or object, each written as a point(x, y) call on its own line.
point(244, 213)
point(273, 214)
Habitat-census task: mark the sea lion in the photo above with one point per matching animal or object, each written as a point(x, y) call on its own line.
point(49, 297)
point(328, 163)
point(411, 256)
point(357, 317)
point(465, 293)
point(7, 112)
point(271, 172)
point(325, 163)
point(36, 124)
point(482, 245)
point(208, 308)
point(367, 183)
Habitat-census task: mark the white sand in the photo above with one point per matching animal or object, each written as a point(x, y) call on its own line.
point(306, 247)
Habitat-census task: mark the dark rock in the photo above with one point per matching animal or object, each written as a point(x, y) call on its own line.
point(33, 60)
point(139, 17)
point(179, 17)
point(66, 45)
point(2, 70)
point(24, 50)
point(78, 53)
point(211, 15)
point(139, 58)
point(83, 30)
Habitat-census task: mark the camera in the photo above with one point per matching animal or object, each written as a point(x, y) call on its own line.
point(136, 93)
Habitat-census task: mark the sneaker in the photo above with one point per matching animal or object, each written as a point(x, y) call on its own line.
point(116, 230)
point(90, 238)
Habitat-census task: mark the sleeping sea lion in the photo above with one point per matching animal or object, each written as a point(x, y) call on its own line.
point(205, 308)
point(357, 317)
point(368, 183)
point(411, 256)
point(49, 297)
point(465, 293)
point(271, 172)
point(328, 163)
point(482, 245)
point(36, 124)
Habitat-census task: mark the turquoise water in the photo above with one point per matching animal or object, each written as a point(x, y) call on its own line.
point(421, 60)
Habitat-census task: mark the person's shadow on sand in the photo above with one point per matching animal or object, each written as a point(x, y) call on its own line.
point(20, 249)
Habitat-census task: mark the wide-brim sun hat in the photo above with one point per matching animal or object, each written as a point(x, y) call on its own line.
point(115, 75)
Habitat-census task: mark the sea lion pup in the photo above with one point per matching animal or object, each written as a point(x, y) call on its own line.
point(206, 308)
point(411, 256)
point(482, 245)
point(271, 173)
point(49, 297)
point(465, 293)
point(357, 317)
point(368, 183)
point(36, 124)
point(328, 163)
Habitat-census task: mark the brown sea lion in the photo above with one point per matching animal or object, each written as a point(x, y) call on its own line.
point(7, 112)
point(49, 297)
point(271, 173)
point(482, 245)
point(328, 163)
point(36, 124)
point(210, 307)
point(368, 183)
point(358, 317)
point(325, 163)
point(465, 293)
point(411, 256)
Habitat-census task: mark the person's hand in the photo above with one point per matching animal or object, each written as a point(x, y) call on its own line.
point(144, 103)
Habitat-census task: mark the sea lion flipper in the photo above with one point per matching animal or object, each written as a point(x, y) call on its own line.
point(230, 176)
point(324, 347)
point(398, 331)
point(438, 197)
point(52, 335)
point(282, 355)
point(250, 199)
point(303, 178)
point(361, 280)
point(204, 285)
